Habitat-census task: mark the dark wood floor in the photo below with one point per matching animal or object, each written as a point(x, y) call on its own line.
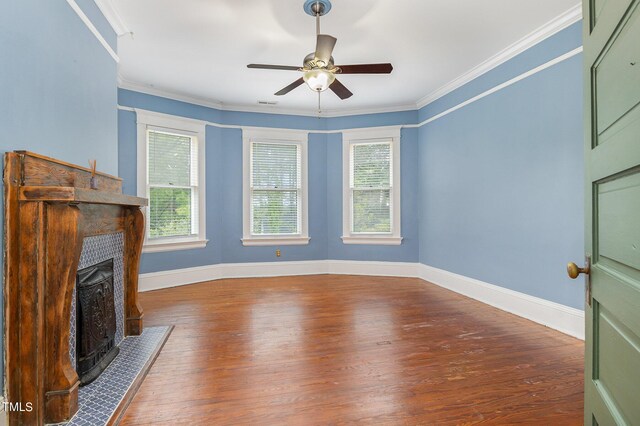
point(344, 349)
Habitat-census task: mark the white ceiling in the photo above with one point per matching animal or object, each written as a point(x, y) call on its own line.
point(200, 48)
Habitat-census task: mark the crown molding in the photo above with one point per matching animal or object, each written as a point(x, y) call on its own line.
point(552, 27)
point(124, 83)
point(114, 18)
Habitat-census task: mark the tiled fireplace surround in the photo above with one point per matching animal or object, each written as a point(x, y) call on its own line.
point(97, 249)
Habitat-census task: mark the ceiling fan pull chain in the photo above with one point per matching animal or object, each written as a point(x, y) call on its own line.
point(319, 110)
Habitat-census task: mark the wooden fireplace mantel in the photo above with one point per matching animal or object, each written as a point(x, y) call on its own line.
point(66, 194)
point(49, 210)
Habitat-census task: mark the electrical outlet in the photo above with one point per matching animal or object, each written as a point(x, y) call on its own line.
point(278, 253)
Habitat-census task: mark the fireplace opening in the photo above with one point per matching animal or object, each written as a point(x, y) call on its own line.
point(96, 321)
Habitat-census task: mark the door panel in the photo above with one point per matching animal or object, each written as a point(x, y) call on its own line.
point(618, 231)
point(619, 290)
point(623, 154)
point(612, 154)
point(617, 346)
point(604, 15)
point(616, 95)
point(597, 6)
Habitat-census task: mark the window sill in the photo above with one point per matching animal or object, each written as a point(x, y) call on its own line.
point(173, 245)
point(275, 241)
point(372, 240)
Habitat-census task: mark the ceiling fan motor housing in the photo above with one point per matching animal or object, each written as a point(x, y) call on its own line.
point(317, 7)
point(310, 62)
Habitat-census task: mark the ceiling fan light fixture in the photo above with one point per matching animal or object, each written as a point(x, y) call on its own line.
point(318, 79)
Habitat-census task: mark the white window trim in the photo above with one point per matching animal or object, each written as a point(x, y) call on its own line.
point(299, 137)
point(150, 120)
point(371, 135)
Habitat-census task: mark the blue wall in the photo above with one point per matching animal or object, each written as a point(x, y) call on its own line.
point(501, 179)
point(58, 85)
point(224, 185)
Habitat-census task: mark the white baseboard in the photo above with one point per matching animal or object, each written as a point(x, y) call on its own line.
point(178, 277)
point(384, 269)
point(273, 269)
point(554, 315)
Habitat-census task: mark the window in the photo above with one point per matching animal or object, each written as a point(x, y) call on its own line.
point(371, 182)
point(275, 187)
point(171, 176)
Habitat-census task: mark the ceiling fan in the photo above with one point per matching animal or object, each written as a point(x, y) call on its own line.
point(319, 71)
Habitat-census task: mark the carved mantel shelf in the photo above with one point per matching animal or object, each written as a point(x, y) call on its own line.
point(49, 210)
point(66, 194)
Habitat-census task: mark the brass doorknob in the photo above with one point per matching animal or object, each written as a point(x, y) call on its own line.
point(574, 270)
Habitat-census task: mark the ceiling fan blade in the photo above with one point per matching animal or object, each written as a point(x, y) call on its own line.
point(366, 69)
point(340, 90)
point(273, 67)
point(290, 87)
point(324, 47)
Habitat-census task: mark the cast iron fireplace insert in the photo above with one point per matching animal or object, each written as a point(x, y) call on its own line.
point(96, 321)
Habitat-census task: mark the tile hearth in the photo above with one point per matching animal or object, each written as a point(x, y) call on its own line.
point(98, 401)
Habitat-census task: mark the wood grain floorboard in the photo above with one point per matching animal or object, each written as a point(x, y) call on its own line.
point(339, 349)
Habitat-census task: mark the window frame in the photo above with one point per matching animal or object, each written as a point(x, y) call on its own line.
point(195, 129)
point(362, 137)
point(282, 137)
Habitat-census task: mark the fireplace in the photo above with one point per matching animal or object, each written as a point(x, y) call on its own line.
point(51, 209)
point(96, 320)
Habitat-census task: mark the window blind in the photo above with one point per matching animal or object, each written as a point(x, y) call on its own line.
point(371, 185)
point(275, 188)
point(172, 185)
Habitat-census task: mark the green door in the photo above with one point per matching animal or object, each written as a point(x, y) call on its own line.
point(612, 130)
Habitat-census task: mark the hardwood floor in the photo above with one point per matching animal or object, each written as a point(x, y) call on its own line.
point(332, 349)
